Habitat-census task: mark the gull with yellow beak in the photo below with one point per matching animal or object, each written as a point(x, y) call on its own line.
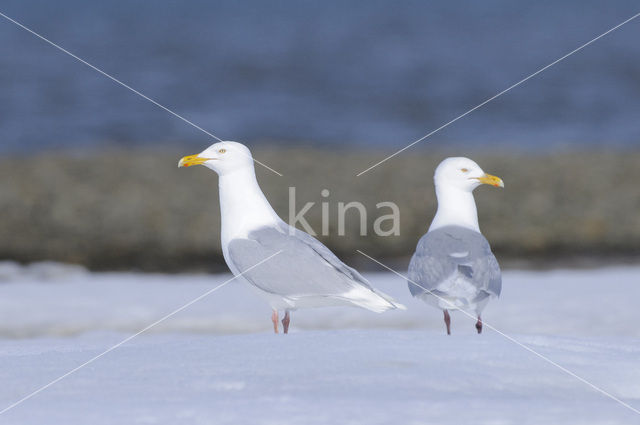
point(453, 267)
point(295, 270)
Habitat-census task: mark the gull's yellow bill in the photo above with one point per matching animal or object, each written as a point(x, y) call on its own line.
point(190, 160)
point(491, 180)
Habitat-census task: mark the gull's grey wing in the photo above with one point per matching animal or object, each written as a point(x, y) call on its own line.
point(451, 249)
point(326, 254)
point(304, 267)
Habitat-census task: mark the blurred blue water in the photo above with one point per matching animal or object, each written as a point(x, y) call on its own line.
point(376, 73)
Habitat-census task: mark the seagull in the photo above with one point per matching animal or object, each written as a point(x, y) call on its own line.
point(300, 271)
point(453, 267)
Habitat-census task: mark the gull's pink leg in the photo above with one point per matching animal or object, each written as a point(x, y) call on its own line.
point(286, 321)
point(479, 324)
point(447, 321)
point(274, 319)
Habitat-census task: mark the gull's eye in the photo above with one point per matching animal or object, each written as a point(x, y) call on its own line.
point(223, 150)
point(464, 170)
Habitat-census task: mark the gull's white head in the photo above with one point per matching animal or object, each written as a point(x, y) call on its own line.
point(223, 158)
point(464, 174)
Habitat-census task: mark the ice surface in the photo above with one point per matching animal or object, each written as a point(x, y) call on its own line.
point(217, 362)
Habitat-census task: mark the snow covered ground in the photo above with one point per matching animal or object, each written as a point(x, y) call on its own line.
point(216, 362)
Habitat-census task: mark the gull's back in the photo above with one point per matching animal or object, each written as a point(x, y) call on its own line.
point(455, 263)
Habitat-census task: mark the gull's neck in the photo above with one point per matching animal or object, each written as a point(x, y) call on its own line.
point(243, 206)
point(456, 207)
